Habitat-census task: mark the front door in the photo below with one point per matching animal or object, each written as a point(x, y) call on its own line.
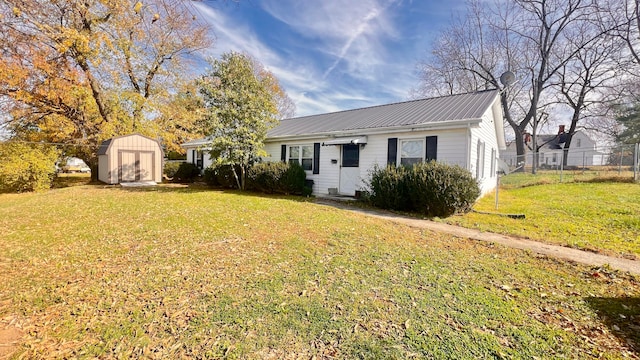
point(349, 169)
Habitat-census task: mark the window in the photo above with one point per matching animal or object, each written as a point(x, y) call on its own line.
point(554, 158)
point(302, 155)
point(578, 142)
point(197, 157)
point(411, 152)
point(480, 163)
point(350, 155)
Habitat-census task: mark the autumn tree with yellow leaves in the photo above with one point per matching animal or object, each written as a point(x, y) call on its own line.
point(78, 72)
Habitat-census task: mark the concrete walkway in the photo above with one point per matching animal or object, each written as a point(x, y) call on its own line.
point(556, 251)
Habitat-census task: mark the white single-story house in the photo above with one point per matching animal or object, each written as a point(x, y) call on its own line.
point(130, 158)
point(338, 150)
point(582, 152)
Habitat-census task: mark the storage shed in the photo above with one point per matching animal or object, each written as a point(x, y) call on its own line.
point(130, 158)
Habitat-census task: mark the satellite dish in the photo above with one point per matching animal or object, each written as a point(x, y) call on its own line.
point(502, 166)
point(507, 78)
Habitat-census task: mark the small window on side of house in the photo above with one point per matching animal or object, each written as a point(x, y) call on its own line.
point(578, 142)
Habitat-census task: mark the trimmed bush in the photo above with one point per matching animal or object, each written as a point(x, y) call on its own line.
point(277, 177)
point(437, 189)
point(388, 188)
point(26, 167)
point(186, 172)
point(220, 176)
point(266, 177)
point(432, 189)
point(170, 169)
point(293, 180)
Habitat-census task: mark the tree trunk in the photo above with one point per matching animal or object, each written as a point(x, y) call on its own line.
point(520, 150)
point(235, 175)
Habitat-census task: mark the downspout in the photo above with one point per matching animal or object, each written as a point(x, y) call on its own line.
point(468, 147)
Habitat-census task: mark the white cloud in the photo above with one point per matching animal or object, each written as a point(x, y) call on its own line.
point(336, 59)
point(350, 32)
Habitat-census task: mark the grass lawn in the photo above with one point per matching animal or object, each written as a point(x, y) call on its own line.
point(597, 216)
point(92, 271)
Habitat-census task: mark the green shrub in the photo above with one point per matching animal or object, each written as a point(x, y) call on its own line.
point(26, 167)
point(278, 177)
point(170, 169)
point(186, 172)
point(220, 176)
point(432, 189)
point(437, 189)
point(293, 180)
point(388, 188)
point(266, 177)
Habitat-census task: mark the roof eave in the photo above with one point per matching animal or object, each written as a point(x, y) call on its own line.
point(442, 125)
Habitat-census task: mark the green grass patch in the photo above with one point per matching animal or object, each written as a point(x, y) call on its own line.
point(590, 215)
point(103, 272)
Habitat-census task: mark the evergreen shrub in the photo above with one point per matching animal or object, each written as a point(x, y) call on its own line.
point(187, 172)
point(277, 177)
point(432, 189)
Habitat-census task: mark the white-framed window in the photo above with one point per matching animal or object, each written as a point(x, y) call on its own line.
point(302, 155)
point(554, 158)
point(480, 162)
point(578, 142)
point(411, 151)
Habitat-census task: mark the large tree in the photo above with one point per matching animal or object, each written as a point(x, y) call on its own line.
point(533, 38)
point(80, 71)
point(241, 106)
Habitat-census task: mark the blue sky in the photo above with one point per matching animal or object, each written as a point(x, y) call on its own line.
point(332, 55)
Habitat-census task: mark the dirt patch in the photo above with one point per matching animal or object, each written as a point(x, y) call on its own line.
point(10, 337)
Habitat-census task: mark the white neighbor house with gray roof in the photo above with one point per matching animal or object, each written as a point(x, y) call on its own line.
point(338, 150)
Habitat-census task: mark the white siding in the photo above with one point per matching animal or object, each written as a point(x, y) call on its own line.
point(485, 132)
point(451, 150)
point(329, 173)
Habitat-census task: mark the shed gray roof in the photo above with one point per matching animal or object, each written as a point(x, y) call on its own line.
point(102, 150)
point(469, 106)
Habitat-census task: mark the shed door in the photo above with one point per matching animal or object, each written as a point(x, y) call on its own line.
point(350, 169)
point(128, 166)
point(145, 166)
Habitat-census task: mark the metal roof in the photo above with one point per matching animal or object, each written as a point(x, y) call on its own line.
point(462, 107)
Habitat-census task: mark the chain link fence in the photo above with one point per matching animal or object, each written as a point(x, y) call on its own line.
point(605, 161)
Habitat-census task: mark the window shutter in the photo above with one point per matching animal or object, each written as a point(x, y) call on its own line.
point(432, 148)
point(193, 157)
point(316, 158)
point(283, 153)
point(392, 151)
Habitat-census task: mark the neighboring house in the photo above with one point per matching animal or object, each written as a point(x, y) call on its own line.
point(130, 158)
point(338, 150)
point(582, 152)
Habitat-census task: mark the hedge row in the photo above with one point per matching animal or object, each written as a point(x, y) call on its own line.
point(268, 177)
point(278, 177)
point(432, 189)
